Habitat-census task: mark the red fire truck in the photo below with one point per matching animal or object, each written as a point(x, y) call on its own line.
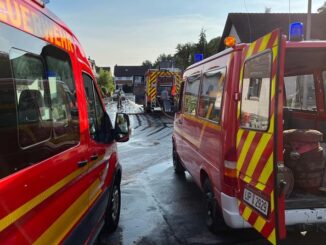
point(157, 82)
point(250, 131)
point(59, 170)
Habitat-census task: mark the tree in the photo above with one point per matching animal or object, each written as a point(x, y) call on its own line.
point(201, 46)
point(106, 82)
point(184, 55)
point(148, 64)
point(212, 46)
point(163, 58)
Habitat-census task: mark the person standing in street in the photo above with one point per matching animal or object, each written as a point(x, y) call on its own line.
point(165, 100)
point(119, 98)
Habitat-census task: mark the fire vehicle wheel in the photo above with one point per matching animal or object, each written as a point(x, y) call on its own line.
point(214, 219)
point(178, 168)
point(112, 215)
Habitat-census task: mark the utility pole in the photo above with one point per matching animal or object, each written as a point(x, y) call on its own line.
point(308, 34)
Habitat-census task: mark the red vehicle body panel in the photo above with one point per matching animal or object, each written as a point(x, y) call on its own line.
point(43, 203)
point(205, 148)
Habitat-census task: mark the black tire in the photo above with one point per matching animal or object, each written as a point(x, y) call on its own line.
point(214, 220)
point(112, 214)
point(178, 168)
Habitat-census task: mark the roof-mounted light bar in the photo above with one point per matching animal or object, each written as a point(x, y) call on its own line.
point(296, 32)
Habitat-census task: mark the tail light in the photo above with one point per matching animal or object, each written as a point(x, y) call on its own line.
point(230, 173)
point(230, 168)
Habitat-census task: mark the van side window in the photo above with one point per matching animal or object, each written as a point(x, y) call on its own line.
point(33, 98)
point(300, 92)
point(63, 93)
point(191, 95)
point(210, 100)
point(38, 111)
point(100, 127)
point(256, 89)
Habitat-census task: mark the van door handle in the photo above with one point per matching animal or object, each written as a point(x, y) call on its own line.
point(82, 164)
point(94, 157)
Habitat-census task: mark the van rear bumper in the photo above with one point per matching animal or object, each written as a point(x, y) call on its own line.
point(231, 215)
point(233, 218)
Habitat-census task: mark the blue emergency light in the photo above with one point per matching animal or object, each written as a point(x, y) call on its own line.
point(198, 57)
point(296, 31)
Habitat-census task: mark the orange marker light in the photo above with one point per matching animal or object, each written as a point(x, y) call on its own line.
point(230, 42)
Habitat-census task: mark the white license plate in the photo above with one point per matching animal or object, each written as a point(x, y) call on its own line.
point(255, 201)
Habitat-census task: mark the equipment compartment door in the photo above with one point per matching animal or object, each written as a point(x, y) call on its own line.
point(260, 203)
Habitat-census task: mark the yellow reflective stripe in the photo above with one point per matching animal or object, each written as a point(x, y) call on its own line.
point(267, 171)
point(202, 121)
point(28, 206)
point(247, 179)
point(260, 223)
point(245, 149)
point(275, 42)
point(60, 228)
point(275, 53)
point(264, 42)
point(246, 213)
point(258, 153)
point(272, 237)
point(239, 136)
point(272, 201)
point(251, 49)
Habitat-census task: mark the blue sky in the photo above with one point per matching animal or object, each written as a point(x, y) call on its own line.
point(127, 32)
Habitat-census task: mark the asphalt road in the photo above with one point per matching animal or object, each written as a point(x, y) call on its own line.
point(159, 207)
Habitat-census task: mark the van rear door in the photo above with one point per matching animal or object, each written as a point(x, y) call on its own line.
point(260, 201)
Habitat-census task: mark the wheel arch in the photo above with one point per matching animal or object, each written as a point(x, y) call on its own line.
point(203, 176)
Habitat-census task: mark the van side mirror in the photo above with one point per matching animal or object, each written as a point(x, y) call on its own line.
point(122, 127)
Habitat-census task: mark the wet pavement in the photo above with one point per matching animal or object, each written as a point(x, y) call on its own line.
point(159, 207)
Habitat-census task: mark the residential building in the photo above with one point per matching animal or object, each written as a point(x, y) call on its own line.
point(124, 76)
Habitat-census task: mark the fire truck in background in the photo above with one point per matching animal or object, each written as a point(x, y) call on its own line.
point(158, 80)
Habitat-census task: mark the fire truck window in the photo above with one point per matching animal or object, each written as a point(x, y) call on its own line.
point(255, 102)
point(300, 92)
point(191, 95)
point(100, 127)
point(33, 98)
point(211, 95)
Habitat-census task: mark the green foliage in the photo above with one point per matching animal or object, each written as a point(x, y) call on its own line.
point(201, 46)
point(212, 46)
point(184, 55)
point(106, 82)
point(148, 64)
point(162, 58)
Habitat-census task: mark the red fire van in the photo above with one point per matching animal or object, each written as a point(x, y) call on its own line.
point(250, 132)
point(59, 170)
